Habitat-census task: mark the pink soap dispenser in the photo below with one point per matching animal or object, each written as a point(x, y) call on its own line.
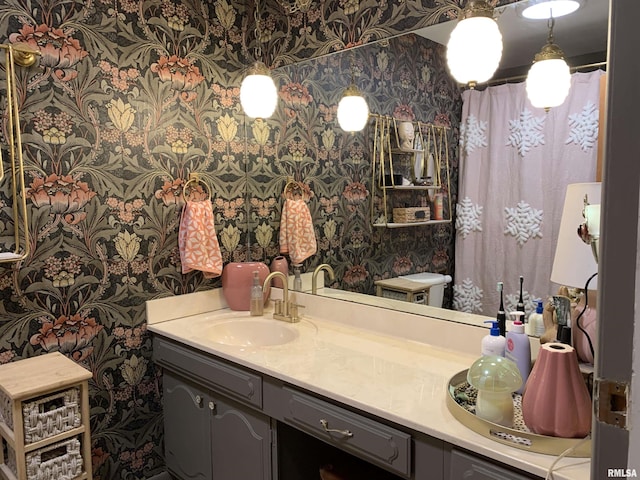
point(518, 348)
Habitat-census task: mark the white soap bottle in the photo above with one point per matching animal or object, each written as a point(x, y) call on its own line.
point(493, 343)
point(257, 299)
point(518, 349)
point(536, 322)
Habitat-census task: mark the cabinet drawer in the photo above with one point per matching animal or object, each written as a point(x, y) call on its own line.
point(377, 443)
point(469, 467)
point(227, 379)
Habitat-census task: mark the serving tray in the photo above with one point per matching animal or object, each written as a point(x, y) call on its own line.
point(519, 436)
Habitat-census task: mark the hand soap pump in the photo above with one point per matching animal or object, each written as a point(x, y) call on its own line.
point(518, 349)
point(493, 343)
point(257, 300)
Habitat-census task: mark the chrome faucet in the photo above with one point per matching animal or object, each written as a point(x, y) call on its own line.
point(314, 278)
point(283, 309)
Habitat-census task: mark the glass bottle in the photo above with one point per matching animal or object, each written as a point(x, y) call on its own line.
point(257, 300)
point(297, 280)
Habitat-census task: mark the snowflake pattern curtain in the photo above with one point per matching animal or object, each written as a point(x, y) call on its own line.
point(516, 162)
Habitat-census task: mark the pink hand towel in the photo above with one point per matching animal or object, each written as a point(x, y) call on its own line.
point(297, 237)
point(197, 240)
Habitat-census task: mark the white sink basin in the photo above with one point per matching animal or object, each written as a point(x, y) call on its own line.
point(254, 332)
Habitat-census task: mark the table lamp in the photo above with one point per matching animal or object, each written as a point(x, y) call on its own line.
point(575, 260)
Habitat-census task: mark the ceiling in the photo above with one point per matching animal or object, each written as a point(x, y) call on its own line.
point(582, 36)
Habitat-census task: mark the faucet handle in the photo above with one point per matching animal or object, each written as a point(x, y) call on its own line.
point(293, 311)
point(277, 307)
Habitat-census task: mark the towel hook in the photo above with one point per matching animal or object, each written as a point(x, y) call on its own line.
point(195, 178)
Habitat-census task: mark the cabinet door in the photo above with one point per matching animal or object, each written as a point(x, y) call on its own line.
point(241, 442)
point(187, 429)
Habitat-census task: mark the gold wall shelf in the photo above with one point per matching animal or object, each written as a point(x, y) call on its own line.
point(20, 55)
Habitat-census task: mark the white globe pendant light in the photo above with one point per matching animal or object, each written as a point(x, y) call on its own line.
point(549, 78)
point(353, 110)
point(474, 49)
point(258, 92)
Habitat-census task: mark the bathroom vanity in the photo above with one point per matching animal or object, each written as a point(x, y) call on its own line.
point(365, 393)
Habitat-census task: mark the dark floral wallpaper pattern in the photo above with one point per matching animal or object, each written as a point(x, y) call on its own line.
point(128, 97)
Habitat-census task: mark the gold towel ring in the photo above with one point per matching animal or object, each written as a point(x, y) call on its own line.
point(195, 178)
point(293, 188)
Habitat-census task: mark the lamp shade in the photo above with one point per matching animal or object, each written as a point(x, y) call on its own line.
point(548, 83)
point(353, 111)
point(258, 92)
point(573, 263)
point(474, 49)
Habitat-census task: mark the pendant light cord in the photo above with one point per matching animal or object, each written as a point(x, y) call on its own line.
point(550, 23)
point(256, 16)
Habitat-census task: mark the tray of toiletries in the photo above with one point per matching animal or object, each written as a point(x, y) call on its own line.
point(461, 403)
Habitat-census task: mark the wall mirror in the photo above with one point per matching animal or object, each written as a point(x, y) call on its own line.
point(582, 36)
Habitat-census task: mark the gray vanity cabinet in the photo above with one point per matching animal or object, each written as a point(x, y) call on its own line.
point(210, 437)
point(227, 422)
point(214, 426)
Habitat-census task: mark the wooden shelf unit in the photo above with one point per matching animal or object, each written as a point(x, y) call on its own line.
point(31, 379)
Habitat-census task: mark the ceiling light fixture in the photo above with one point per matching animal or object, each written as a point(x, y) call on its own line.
point(353, 111)
point(549, 78)
point(258, 92)
point(539, 9)
point(474, 49)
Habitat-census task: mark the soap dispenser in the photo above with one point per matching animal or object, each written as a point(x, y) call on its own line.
point(493, 343)
point(536, 320)
point(257, 299)
point(518, 349)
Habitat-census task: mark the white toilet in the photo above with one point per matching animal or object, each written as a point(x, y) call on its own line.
point(436, 283)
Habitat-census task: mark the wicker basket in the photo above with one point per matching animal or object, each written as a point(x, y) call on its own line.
point(51, 415)
point(6, 412)
point(60, 461)
point(411, 214)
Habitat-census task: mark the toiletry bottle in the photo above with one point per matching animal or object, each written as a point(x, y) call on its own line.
point(297, 280)
point(518, 349)
point(502, 316)
point(493, 343)
point(536, 322)
point(257, 300)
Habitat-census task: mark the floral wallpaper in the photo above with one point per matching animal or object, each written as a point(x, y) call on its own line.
point(130, 96)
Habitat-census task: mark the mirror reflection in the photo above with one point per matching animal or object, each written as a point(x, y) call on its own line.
point(406, 78)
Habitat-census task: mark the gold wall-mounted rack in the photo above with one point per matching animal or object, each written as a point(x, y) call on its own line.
point(15, 55)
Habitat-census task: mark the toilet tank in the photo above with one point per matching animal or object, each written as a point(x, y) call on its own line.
point(436, 283)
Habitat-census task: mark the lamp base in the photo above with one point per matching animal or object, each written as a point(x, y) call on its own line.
point(588, 323)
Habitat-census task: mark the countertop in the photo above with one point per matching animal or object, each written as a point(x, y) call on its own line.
point(394, 365)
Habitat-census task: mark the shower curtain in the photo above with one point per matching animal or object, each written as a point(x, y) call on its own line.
point(515, 164)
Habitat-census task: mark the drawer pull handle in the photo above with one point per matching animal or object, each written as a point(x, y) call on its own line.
point(325, 426)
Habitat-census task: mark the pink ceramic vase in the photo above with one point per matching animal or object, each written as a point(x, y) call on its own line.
point(237, 279)
point(556, 401)
point(279, 264)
